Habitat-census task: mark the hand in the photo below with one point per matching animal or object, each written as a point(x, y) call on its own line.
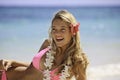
point(5, 64)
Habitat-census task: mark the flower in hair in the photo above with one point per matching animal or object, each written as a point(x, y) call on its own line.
point(75, 28)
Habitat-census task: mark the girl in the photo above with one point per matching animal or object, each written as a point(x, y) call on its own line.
point(64, 58)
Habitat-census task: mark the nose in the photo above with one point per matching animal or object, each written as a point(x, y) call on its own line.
point(57, 33)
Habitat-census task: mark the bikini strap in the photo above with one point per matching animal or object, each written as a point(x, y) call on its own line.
point(37, 58)
point(3, 77)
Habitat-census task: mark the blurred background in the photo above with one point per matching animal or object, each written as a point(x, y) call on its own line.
point(24, 26)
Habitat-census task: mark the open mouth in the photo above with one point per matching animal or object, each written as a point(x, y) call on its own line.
point(59, 39)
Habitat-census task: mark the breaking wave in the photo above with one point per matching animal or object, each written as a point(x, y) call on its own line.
point(100, 72)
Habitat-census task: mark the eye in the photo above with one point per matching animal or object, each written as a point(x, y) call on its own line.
point(53, 30)
point(63, 30)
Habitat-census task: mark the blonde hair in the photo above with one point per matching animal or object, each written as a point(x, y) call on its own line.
point(75, 57)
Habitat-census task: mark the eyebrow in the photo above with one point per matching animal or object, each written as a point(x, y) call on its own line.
point(61, 26)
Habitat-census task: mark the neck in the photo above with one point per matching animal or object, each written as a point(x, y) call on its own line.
point(63, 48)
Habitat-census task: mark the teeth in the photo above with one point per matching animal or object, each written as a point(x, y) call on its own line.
point(59, 39)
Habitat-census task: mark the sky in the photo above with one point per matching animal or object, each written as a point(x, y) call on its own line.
point(59, 2)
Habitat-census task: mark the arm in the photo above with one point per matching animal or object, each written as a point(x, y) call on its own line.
point(5, 64)
point(17, 63)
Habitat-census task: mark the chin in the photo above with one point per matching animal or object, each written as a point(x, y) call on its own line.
point(59, 45)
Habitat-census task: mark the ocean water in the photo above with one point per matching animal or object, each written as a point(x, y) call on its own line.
point(23, 29)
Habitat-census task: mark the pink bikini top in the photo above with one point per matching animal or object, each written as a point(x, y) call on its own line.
point(3, 77)
point(36, 61)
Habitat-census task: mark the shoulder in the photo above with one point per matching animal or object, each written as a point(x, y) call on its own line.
point(44, 45)
point(42, 52)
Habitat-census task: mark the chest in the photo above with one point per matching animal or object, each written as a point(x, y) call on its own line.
point(58, 59)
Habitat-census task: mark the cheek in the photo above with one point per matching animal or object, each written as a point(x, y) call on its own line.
point(53, 36)
point(68, 37)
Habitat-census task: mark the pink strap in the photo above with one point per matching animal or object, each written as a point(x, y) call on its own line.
point(37, 58)
point(36, 61)
point(54, 76)
point(3, 77)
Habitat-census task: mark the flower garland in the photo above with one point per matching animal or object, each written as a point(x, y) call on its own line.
point(48, 64)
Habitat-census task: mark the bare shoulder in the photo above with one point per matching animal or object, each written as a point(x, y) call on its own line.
point(44, 45)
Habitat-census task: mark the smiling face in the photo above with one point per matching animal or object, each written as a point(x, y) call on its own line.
point(61, 33)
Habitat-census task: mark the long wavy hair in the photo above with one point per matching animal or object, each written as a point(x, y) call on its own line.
point(74, 56)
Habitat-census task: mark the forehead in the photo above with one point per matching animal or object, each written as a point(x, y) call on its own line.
point(59, 22)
